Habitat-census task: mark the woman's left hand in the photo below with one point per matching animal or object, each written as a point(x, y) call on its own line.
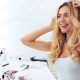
point(76, 5)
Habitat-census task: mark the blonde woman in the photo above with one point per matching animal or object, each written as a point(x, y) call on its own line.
point(65, 44)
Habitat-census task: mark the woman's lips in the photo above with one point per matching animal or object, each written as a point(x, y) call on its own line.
point(64, 25)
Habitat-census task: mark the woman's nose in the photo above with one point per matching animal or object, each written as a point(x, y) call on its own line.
point(62, 19)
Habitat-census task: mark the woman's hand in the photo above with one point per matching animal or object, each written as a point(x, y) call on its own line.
point(52, 23)
point(76, 3)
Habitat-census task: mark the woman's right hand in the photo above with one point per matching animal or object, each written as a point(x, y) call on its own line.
point(52, 23)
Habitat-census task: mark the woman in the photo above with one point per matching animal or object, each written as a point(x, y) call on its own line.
point(65, 44)
point(68, 52)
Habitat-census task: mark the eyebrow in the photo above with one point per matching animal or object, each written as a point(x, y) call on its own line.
point(64, 13)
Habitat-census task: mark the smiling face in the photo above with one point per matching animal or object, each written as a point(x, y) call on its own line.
point(64, 20)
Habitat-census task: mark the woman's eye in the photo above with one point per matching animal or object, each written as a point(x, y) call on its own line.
point(58, 17)
point(66, 15)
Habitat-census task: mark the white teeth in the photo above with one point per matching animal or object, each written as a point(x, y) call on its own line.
point(64, 25)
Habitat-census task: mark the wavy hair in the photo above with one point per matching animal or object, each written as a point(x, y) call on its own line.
point(59, 38)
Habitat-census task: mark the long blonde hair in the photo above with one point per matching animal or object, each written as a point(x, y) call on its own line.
point(59, 38)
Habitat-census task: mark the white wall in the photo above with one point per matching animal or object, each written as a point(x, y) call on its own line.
point(19, 17)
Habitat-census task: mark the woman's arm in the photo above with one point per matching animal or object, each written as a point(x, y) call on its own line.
point(31, 39)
